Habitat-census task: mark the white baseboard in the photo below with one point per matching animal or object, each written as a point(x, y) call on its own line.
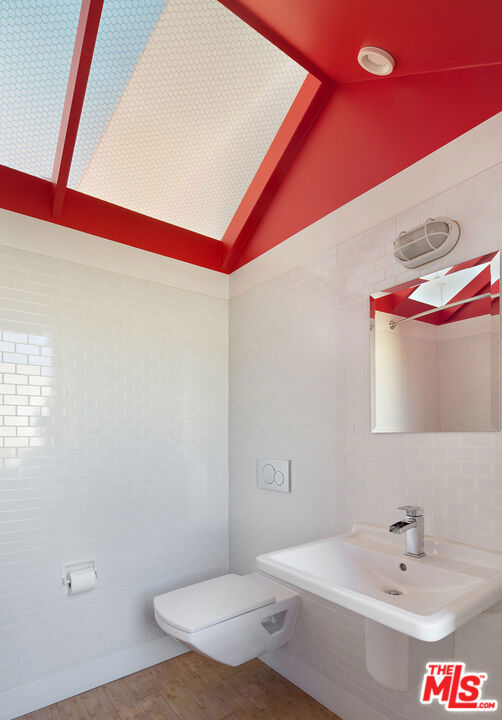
point(40, 693)
point(339, 701)
point(35, 695)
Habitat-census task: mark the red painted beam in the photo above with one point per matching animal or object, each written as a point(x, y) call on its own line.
point(366, 133)
point(280, 154)
point(241, 9)
point(30, 195)
point(87, 30)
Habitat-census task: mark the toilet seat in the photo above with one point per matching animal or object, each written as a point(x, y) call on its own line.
point(232, 618)
point(208, 603)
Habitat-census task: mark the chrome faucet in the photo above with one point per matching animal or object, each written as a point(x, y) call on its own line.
point(413, 527)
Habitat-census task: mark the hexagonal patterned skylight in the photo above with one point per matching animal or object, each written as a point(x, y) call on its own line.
point(183, 101)
point(36, 48)
point(124, 29)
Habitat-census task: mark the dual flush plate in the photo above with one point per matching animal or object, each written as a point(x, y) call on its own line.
point(274, 474)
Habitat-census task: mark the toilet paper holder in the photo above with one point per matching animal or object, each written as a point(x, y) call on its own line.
point(69, 567)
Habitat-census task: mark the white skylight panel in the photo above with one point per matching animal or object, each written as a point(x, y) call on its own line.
point(36, 48)
point(183, 127)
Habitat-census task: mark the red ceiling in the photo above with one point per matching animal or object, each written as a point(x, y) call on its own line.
point(366, 133)
point(447, 80)
point(422, 35)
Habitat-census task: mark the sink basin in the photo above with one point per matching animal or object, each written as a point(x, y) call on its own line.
point(367, 572)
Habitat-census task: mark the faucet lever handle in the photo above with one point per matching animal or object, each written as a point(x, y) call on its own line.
point(412, 510)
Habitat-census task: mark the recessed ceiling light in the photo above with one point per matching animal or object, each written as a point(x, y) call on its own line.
point(375, 60)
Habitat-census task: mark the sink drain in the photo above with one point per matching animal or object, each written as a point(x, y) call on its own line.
point(393, 592)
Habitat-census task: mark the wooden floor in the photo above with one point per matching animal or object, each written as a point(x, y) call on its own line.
point(191, 687)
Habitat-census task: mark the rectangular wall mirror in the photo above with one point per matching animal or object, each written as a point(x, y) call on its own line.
point(435, 351)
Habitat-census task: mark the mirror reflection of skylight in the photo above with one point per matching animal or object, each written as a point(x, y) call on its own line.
point(36, 48)
point(183, 104)
point(441, 288)
point(495, 269)
point(435, 274)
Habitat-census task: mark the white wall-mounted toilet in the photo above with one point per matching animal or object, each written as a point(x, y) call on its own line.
point(232, 618)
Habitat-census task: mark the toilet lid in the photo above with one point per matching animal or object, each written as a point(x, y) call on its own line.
point(207, 603)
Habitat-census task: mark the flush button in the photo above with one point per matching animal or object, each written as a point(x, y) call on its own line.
point(278, 477)
point(268, 473)
point(273, 474)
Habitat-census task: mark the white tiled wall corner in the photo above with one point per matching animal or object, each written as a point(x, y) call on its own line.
point(300, 388)
point(113, 445)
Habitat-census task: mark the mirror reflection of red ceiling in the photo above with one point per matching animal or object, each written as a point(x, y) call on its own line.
point(345, 132)
point(401, 300)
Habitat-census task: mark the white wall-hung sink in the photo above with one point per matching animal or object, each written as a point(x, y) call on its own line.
point(441, 591)
point(367, 572)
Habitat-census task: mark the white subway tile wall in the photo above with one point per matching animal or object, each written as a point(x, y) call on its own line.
point(26, 380)
point(113, 445)
point(300, 389)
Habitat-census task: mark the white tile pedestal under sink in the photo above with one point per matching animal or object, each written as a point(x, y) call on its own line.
point(412, 606)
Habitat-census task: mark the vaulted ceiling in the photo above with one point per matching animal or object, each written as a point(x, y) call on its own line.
point(211, 130)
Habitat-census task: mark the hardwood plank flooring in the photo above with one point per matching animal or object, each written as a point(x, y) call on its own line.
point(191, 687)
